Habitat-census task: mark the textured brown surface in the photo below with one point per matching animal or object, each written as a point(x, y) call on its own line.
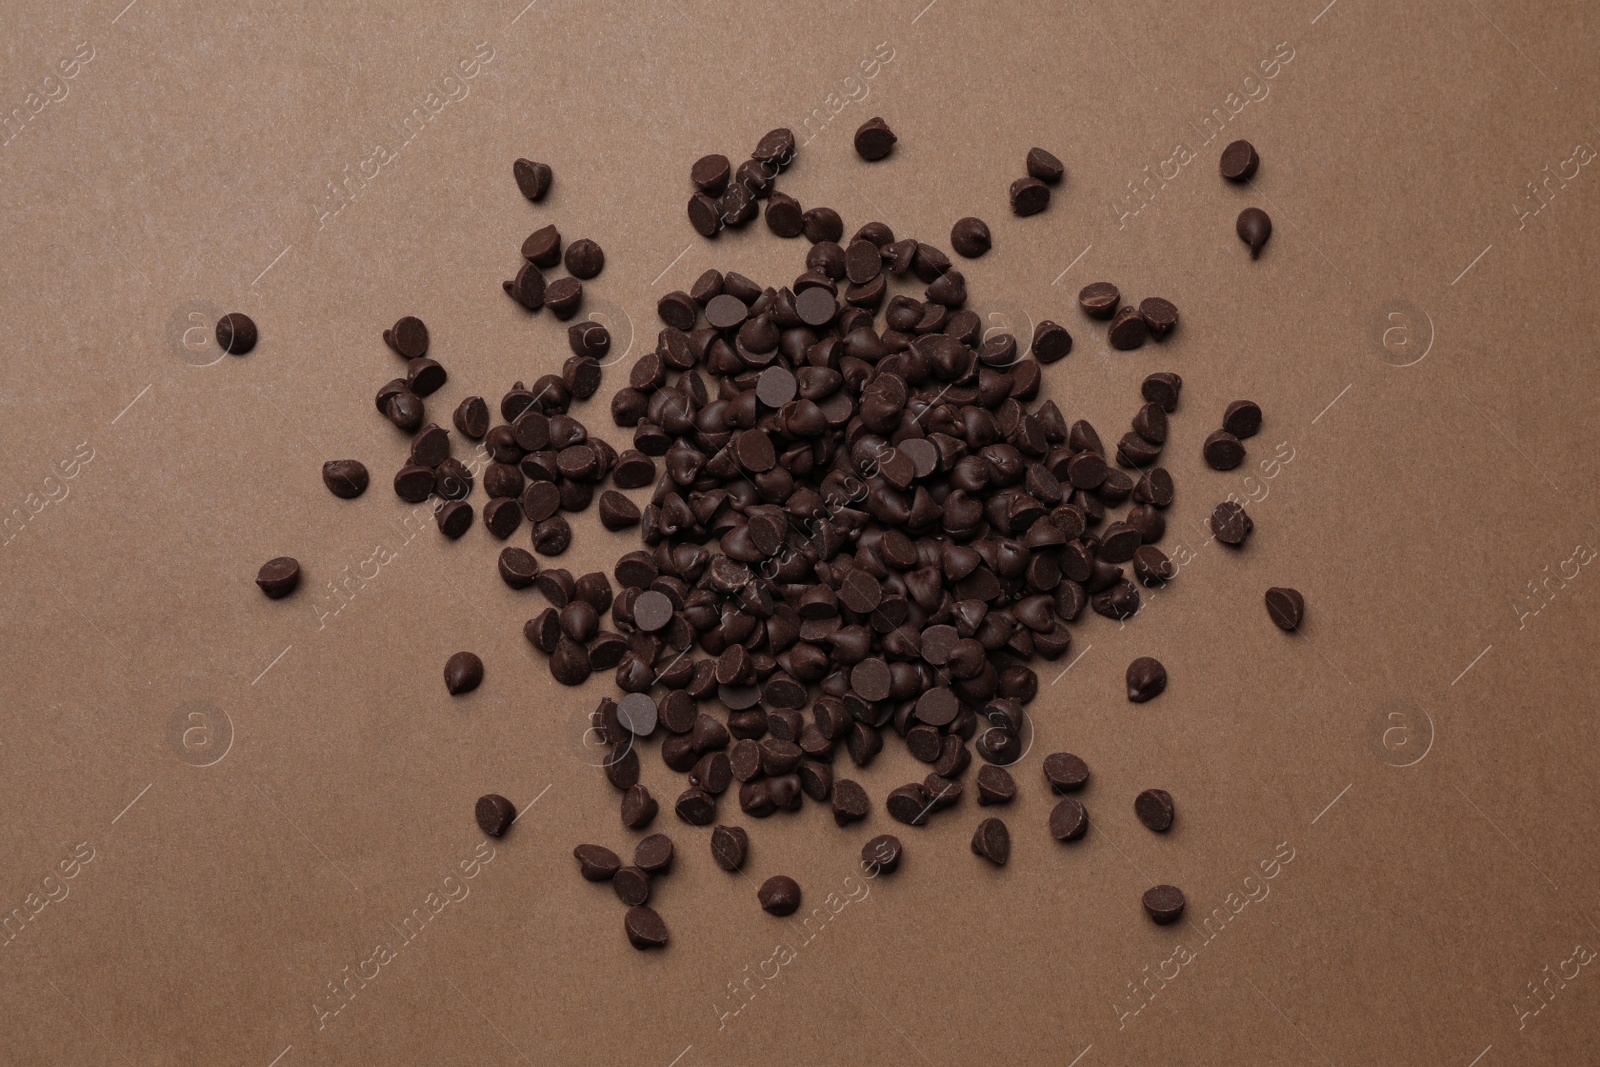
point(267, 793)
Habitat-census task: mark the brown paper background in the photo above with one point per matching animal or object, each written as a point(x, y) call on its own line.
point(325, 788)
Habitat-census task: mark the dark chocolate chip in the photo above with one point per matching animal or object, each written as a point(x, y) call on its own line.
point(882, 854)
point(495, 814)
point(463, 672)
point(1068, 820)
point(1254, 227)
point(596, 862)
point(1099, 300)
point(532, 178)
point(1044, 166)
point(1230, 523)
point(992, 841)
point(1164, 903)
point(1286, 607)
point(874, 139)
point(779, 895)
point(730, 845)
point(1154, 809)
point(1222, 450)
point(969, 237)
point(1029, 196)
point(1065, 772)
point(1147, 678)
point(1242, 418)
point(1239, 161)
point(236, 333)
point(345, 478)
point(278, 577)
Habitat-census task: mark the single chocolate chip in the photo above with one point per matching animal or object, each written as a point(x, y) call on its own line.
point(779, 895)
point(1162, 388)
point(969, 237)
point(710, 174)
point(552, 537)
point(278, 577)
point(543, 247)
point(644, 928)
point(345, 478)
point(1029, 196)
point(636, 711)
point(463, 672)
point(413, 484)
point(820, 224)
point(569, 663)
point(816, 307)
point(1222, 450)
point(1050, 342)
point(518, 567)
point(632, 886)
point(995, 785)
point(236, 333)
point(1286, 606)
point(862, 262)
point(850, 803)
point(696, 807)
point(1160, 316)
point(706, 215)
point(528, 288)
point(1068, 820)
point(653, 854)
point(587, 339)
point(1065, 772)
point(563, 296)
point(882, 854)
point(639, 808)
point(992, 841)
point(1044, 166)
point(1254, 227)
point(596, 862)
point(1239, 161)
point(775, 149)
point(651, 611)
point(584, 259)
point(1242, 418)
point(908, 804)
point(1152, 566)
point(874, 139)
point(495, 814)
point(617, 512)
point(1154, 809)
point(730, 845)
point(1230, 524)
point(784, 215)
point(1164, 903)
point(1128, 330)
point(1147, 678)
point(454, 518)
point(775, 387)
point(1099, 300)
point(532, 178)
point(1151, 423)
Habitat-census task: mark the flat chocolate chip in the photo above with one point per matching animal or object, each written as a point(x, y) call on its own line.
point(1154, 809)
point(1254, 227)
point(1029, 196)
point(995, 785)
point(992, 841)
point(1068, 820)
point(1162, 388)
point(1242, 418)
point(653, 854)
point(463, 672)
point(1099, 300)
point(1286, 606)
point(1239, 161)
point(345, 478)
point(236, 333)
point(1044, 166)
point(454, 518)
point(821, 224)
point(644, 928)
point(617, 512)
point(1160, 316)
point(779, 895)
point(636, 711)
point(882, 853)
point(632, 886)
point(969, 237)
point(729, 847)
point(528, 288)
point(495, 814)
point(1128, 330)
point(1230, 524)
point(696, 807)
point(1164, 903)
point(652, 610)
point(596, 862)
point(1065, 772)
point(874, 139)
point(1222, 450)
point(278, 577)
point(1146, 679)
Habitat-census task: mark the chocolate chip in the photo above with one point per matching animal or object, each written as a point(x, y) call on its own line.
point(495, 814)
point(730, 845)
point(1164, 903)
point(632, 886)
point(532, 178)
point(584, 260)
point(1154, 809)
point(653, 854)
point(1068, 820)
point(404, 409)
point(1050, 342)
point(644, 928)
point(710, 174)
point(236, 333)
point(1162, 388)
point(636, 711)
point(454, 518)
point(779, 895)
point(995, 785)
point(518, 567)
point(1242, 418)
point(1029, 196)
point(816, 307)
point(862, 263)
point(850, 803)
point(1152, 566)
point(1239, 161)
point(1065, 772)
point(775, 149)
point(1128, 330)
point(617, 512)
point(1160, 316)
point(639, 808)
point(528, 288)
point(1099, 300)
point(882, 854)
point(552, 537)
point(908, 804)
point(278, 577)
point(408, 337)
point(1230, 524)
point(992, 841)
point(1147, 678)
point(1222, 450)
point(820, 224)
point(569, 663)
point(969, 237)
point(543, 247)
point(784, 216)
point(874, 139)
point(706, 215)
point(696, 807)
point(1254, 227)
point(1286, 606)
point(596, 862)
point(588, 340)
point(463, 672)
point(345, 478)
point(652, 611)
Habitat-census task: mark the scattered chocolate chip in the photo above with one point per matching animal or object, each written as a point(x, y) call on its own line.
point(1162, 388)
point(1128, 330)
point(584, 260)
point(1254, 227)
point(1044, 166)
point(874, 139)
point(1068, 820)
point(1286, 607)
point(644, 928)
point(710, 174)
point(636, 711)
point(1239, 161)
point(1147, 678)
point(463, 672)
point(639, 808)
point(454, 518)
point(518, 567)
point(729, 847)
point(696, 807)
point(653, 854)
point(236, 333)
point(969, 237)
point(1154, 809)
point(779, 895)
point(617, 512)
point(1230, 524)
point(542, 247)
point(632, 885)
point(995, 785)
point(1160, 316)
point(1050, 342)
point(882, 854)
point(563, 296)
point(992, 841)
point(1099, 300)
point(1065, 772)
point(495, 814)
point(1222, 450)
point(1029, 196)
point(1164, 903)
point(1242, 418)
point(278, 577)
point(596, 862)
point(345, 478)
